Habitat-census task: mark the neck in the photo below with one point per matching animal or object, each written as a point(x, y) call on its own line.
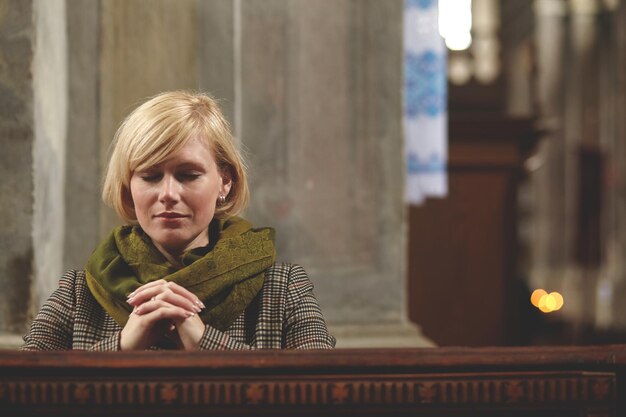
point(174, 254)
point(174, 257)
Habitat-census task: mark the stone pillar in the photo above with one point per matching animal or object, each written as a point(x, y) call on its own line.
point(50, 112)
point(609, 311)
point(17, 37)
point(549, 182)
point(581, 131)
point(581, 96)
point(318, 105)
point(32, 163)
point(83, 169)
point(619, 222)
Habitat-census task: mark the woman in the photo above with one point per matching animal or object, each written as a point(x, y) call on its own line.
point(185, 272)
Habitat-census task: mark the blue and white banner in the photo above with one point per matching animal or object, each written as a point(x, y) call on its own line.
point(425, 102)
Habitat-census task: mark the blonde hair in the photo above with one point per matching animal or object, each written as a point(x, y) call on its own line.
point(160, 127)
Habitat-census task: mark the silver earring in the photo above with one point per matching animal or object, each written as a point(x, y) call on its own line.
point(221, 200)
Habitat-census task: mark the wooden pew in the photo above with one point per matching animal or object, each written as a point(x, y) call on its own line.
point(551, 381)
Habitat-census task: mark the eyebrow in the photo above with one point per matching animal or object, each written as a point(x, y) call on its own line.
point(183, 165)
point(190, 164)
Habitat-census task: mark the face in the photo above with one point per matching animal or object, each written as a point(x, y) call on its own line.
point(175, 200)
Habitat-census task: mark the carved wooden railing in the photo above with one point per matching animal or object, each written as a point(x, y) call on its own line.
point(563, 381)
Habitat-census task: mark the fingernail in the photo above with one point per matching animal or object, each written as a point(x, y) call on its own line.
point(198, 309)
point(190, 314)
point(201, 304)
point(130, 299)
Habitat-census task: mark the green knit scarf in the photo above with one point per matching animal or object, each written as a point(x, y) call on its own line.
point(226, 275)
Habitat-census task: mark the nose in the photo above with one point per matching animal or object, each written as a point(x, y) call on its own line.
point(168, 192)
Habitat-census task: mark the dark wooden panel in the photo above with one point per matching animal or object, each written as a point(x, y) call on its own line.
point(463, 248)
point(432, 382)
point(457, 262)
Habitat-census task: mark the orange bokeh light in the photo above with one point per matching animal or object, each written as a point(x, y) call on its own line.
point(545, 302)
point(558, 298)
point(536, 296)
point(550, 302)
point(542, 304)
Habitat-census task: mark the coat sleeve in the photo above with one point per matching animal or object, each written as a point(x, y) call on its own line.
point(305, 327)
point(303, 324)
point(213, 339)
point(53, 326)
point(111, 343)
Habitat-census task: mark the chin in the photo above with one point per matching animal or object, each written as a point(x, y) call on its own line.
point(171, 239)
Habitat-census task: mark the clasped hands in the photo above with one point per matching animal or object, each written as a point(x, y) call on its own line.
point(162, 309)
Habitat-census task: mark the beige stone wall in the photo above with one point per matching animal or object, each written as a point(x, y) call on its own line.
point(33, 123)
point(312, 88)
point(50, 91)
point(321, 116)
point(120, 52)
point(146, 47)
point(16, 162)
point(83, 169)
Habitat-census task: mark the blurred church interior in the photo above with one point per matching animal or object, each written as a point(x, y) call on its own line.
point(536, 181)
point(313, 89)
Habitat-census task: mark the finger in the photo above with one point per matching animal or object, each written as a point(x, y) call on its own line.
point(190, 332)
point(171, 297)
point(159, 310)
point(148, 285)
point(153, 305)
point(146, 292)
point(178, 300)
point(143, 331)
point(165, 292)
point(184, 292)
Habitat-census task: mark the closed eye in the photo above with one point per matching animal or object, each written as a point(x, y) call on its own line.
point(187, 176)
point(151, 177)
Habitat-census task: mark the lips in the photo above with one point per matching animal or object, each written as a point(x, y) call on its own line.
point(170, 215)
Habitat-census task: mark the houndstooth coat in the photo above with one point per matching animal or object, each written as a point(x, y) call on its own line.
point(285, 315)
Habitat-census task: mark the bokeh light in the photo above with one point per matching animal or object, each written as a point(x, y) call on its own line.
point(545, 302)
point(536, 296)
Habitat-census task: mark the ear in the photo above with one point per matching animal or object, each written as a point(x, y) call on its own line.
point(227, 182)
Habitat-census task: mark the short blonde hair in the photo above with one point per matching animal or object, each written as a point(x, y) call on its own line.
point(160, 127)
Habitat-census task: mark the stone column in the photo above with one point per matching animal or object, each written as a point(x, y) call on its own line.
point(619, 222)
point(549, 255)
point(581, 100)
point(17, 133)
point(610, 312)
point(33, 82)
point(50, 111)
point(581, 131)
point(83, 168)
point(318, 105)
